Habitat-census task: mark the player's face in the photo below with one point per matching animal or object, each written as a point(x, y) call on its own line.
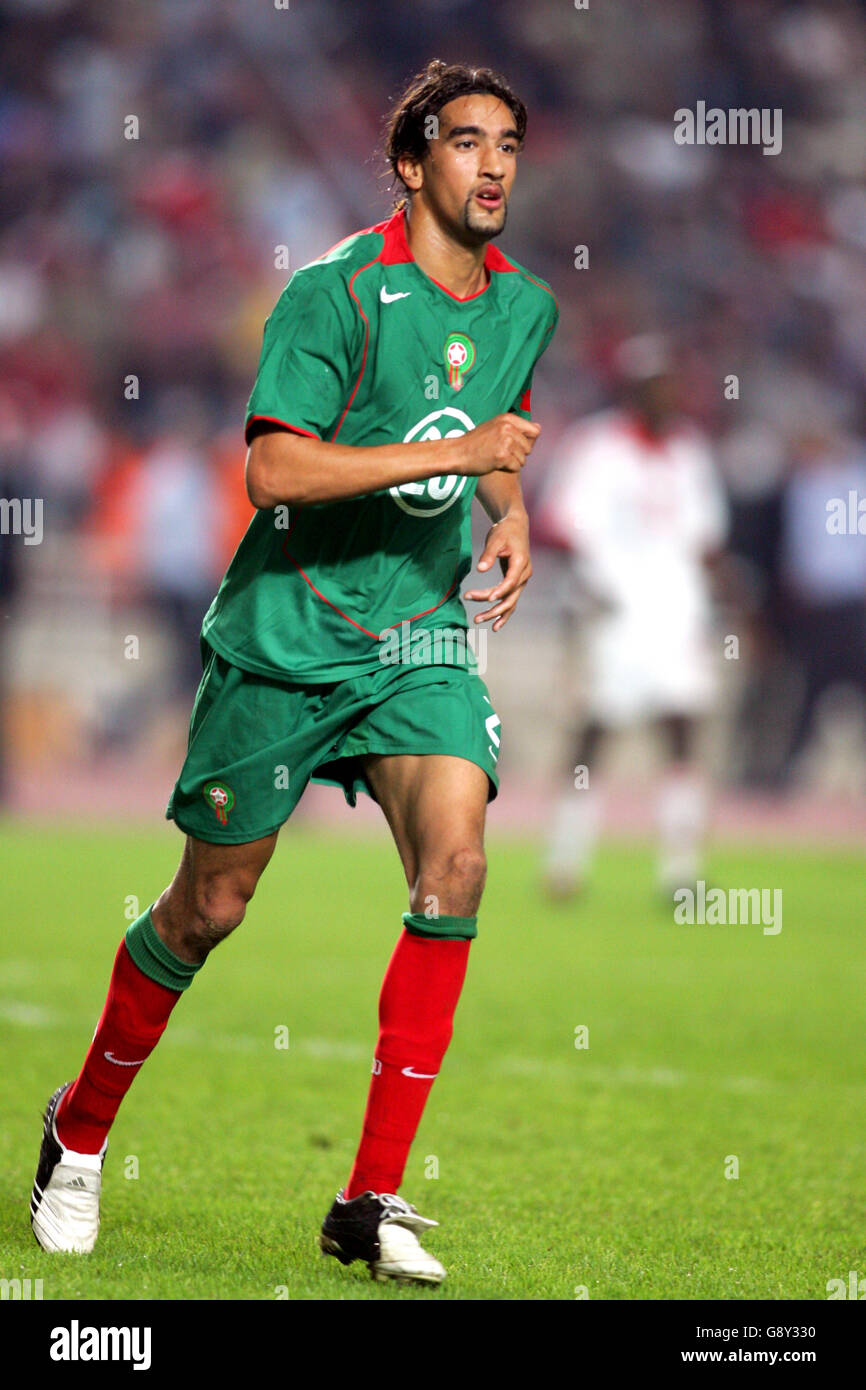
point(658, 398)
point(467, 176)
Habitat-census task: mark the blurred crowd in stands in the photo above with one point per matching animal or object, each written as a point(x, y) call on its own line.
point(155, 157)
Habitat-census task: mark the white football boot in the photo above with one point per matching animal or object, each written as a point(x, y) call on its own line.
point(381, 1229)
point(64, 1205)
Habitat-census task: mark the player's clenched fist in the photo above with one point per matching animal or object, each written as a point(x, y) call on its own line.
point(501, 443)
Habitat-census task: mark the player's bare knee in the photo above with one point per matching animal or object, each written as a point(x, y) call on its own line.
point(455, 879)
point(193, 917)
point(468, 867)
point(218, 906)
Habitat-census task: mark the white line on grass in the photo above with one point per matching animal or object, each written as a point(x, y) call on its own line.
point(27, 1015)
point(337, 1049)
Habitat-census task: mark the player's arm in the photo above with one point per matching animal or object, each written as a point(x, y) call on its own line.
point(289, 469)
point(501, 496)
point(507, 541)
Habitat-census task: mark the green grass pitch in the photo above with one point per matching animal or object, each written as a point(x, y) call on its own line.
point(559, 1168)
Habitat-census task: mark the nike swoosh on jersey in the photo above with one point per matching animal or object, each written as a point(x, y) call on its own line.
point(117, 1062)
point(387, 298)
point(419, 1075)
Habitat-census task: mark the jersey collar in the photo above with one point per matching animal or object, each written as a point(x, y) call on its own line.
point(396, 251)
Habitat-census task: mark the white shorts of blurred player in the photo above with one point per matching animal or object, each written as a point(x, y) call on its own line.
point(644, 664)
point(641, 665)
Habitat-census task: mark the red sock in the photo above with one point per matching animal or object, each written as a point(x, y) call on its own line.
point(416, 1013)
point(132, 1023)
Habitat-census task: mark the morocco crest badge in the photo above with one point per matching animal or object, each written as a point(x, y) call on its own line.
point(221, 798)
point(459, 358)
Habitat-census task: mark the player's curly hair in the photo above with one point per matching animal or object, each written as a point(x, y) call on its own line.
point(407, 123)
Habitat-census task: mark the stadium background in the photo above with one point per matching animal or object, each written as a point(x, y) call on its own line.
point(155, 257)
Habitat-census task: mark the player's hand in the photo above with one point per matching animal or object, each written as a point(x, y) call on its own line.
point(507, 542)
point(501, 443)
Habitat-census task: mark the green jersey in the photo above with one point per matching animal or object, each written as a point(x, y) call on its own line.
point(363, 347)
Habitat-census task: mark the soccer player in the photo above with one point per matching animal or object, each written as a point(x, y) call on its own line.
point(393, 385)
point(635, 497)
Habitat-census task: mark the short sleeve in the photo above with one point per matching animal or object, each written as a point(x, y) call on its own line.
point(521, 405)
point(310, 359)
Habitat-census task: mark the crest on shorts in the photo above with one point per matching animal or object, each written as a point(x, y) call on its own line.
point(221, 798)
point(459, 353)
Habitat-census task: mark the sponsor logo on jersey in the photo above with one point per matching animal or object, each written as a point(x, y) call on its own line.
point(459, 352)
point(434, 495)
point(221, 798)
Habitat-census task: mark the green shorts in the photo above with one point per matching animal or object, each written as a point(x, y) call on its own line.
point(255, 743)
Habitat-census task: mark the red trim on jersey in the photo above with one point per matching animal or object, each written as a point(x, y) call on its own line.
point(532, 280)
point(375, 635)
point(524, 399)
point(461, 298)
point(296, 429)
point(397, 250)
point(497, 260)
point(366, 343)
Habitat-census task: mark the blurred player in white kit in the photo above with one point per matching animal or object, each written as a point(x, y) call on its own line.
point(634, 497)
